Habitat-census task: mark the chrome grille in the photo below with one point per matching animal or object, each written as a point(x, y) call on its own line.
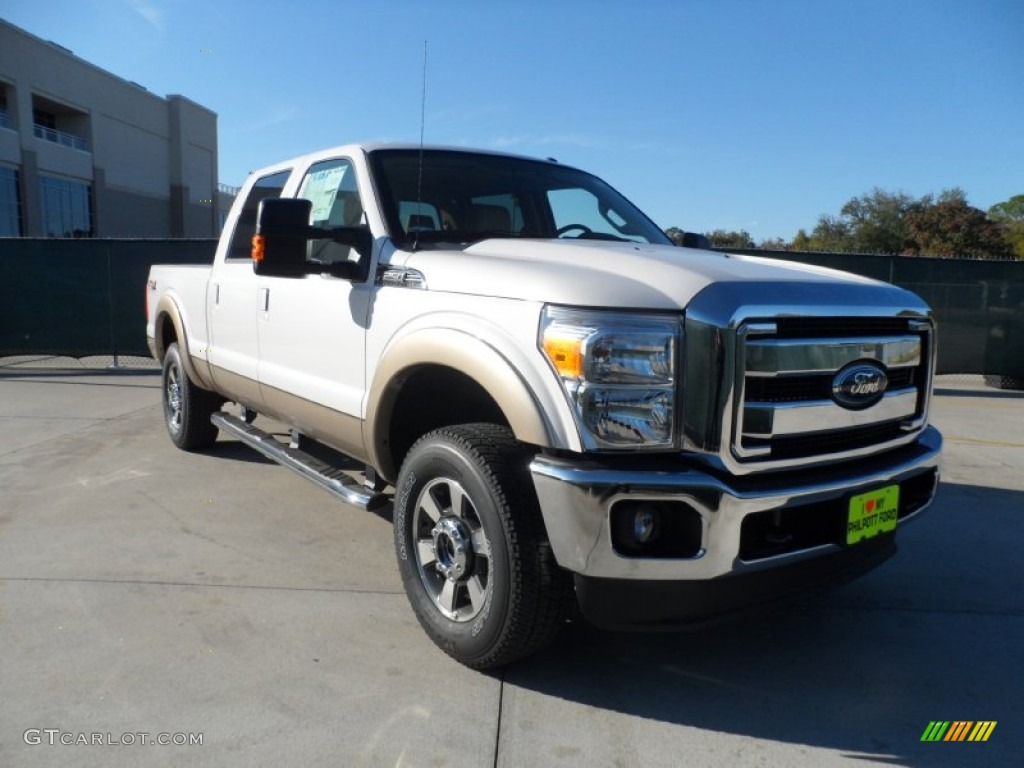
point(783, 389)
point(784, 407)
point(838, 327)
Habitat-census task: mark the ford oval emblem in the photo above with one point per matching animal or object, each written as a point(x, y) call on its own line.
point(859, 385)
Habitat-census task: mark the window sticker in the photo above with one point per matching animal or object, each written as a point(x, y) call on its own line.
point(321, 189)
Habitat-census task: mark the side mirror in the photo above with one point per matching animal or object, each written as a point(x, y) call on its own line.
point(279, 247)
point(695, 240)
point(282, 231)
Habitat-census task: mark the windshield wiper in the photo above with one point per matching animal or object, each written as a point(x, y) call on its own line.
point(600, 236)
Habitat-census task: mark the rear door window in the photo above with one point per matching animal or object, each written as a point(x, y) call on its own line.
point(245, 227)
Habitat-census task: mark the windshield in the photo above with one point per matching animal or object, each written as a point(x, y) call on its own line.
point(463, 197)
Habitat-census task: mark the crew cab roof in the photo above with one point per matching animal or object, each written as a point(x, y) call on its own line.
point(367, 147)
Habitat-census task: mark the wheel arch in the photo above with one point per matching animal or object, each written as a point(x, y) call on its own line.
point(168, 329)
point(441, 377)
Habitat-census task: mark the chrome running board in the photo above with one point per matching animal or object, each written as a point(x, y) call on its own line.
point(327, 477)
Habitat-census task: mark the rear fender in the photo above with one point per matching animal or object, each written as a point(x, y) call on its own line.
point(197, 368)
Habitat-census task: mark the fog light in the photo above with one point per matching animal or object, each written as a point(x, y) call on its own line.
point(662, 528)
point(645, 524)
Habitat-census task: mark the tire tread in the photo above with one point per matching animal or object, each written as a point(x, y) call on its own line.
point(542, 601)
point(198, 404)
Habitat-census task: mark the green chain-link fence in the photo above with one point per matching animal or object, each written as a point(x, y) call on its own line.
point(82, 298)
point(979, 305)
point(86, 298)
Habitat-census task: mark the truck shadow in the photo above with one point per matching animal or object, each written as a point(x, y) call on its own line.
point(228, 448)
point(74, 378)
point(236, 451)
point(1008, 394)
point(933, 634)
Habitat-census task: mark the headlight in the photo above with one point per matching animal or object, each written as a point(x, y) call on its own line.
point(619, 371)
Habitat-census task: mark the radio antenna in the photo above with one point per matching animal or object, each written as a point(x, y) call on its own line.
point(419, 172)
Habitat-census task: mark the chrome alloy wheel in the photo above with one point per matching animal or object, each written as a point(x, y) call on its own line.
point(453, 554)
point(172, 405)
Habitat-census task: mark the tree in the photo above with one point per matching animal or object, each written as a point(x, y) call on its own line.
point(1010, 214)
point(801, 241)
point(951, 227)
point(951, 195)
point(894, 222)
point(721, 238)
point(871, 223)
point(877, 220)
point(773, 244)
point(675, 234)
point(1008, 210)
point(831, 234)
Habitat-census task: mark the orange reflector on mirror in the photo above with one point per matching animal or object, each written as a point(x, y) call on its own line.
point(258, 243)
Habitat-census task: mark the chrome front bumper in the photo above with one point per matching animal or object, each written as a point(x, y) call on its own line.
point(576, 499)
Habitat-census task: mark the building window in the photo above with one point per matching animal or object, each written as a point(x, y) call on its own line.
point(45, 119)
point(10, 203)
point(67, 207)
point(5, 116)
point(59, 124)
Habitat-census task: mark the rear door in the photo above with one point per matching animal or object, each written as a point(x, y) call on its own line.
point(233, 299)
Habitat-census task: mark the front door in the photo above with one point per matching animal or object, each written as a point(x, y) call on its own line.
point(312, 329)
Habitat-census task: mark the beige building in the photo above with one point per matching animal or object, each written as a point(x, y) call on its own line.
point(84, 153)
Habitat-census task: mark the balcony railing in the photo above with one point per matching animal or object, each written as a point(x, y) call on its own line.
point(227, 189)
point(59, 137)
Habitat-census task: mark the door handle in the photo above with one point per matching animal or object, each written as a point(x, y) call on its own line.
point(264, 300)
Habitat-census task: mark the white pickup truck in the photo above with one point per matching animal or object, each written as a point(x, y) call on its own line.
point(561, 405)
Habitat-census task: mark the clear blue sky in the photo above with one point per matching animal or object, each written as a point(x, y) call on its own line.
point(735, 114)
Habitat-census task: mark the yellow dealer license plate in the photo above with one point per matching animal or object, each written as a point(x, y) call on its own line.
point(872, 513)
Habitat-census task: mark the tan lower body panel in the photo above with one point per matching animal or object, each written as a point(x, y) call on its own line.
point(238, 388)
point(338, 430)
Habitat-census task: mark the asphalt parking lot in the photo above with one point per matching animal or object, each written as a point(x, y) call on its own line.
point(148, 591)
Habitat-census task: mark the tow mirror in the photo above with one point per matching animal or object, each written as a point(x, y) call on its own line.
point(695, 240)
point(282, 231)
point(279, 246)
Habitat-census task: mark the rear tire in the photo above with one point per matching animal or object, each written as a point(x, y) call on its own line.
point(472, 550)
point(187, 407)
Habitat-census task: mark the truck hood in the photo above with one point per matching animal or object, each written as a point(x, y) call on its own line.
point(601, 273)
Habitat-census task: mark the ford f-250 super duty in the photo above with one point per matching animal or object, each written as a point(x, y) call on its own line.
point(567, 406)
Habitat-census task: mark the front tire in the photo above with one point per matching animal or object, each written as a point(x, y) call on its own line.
point(472, 552)
point(187, 407)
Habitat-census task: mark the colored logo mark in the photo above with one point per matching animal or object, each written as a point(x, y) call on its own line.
point(959, 730)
